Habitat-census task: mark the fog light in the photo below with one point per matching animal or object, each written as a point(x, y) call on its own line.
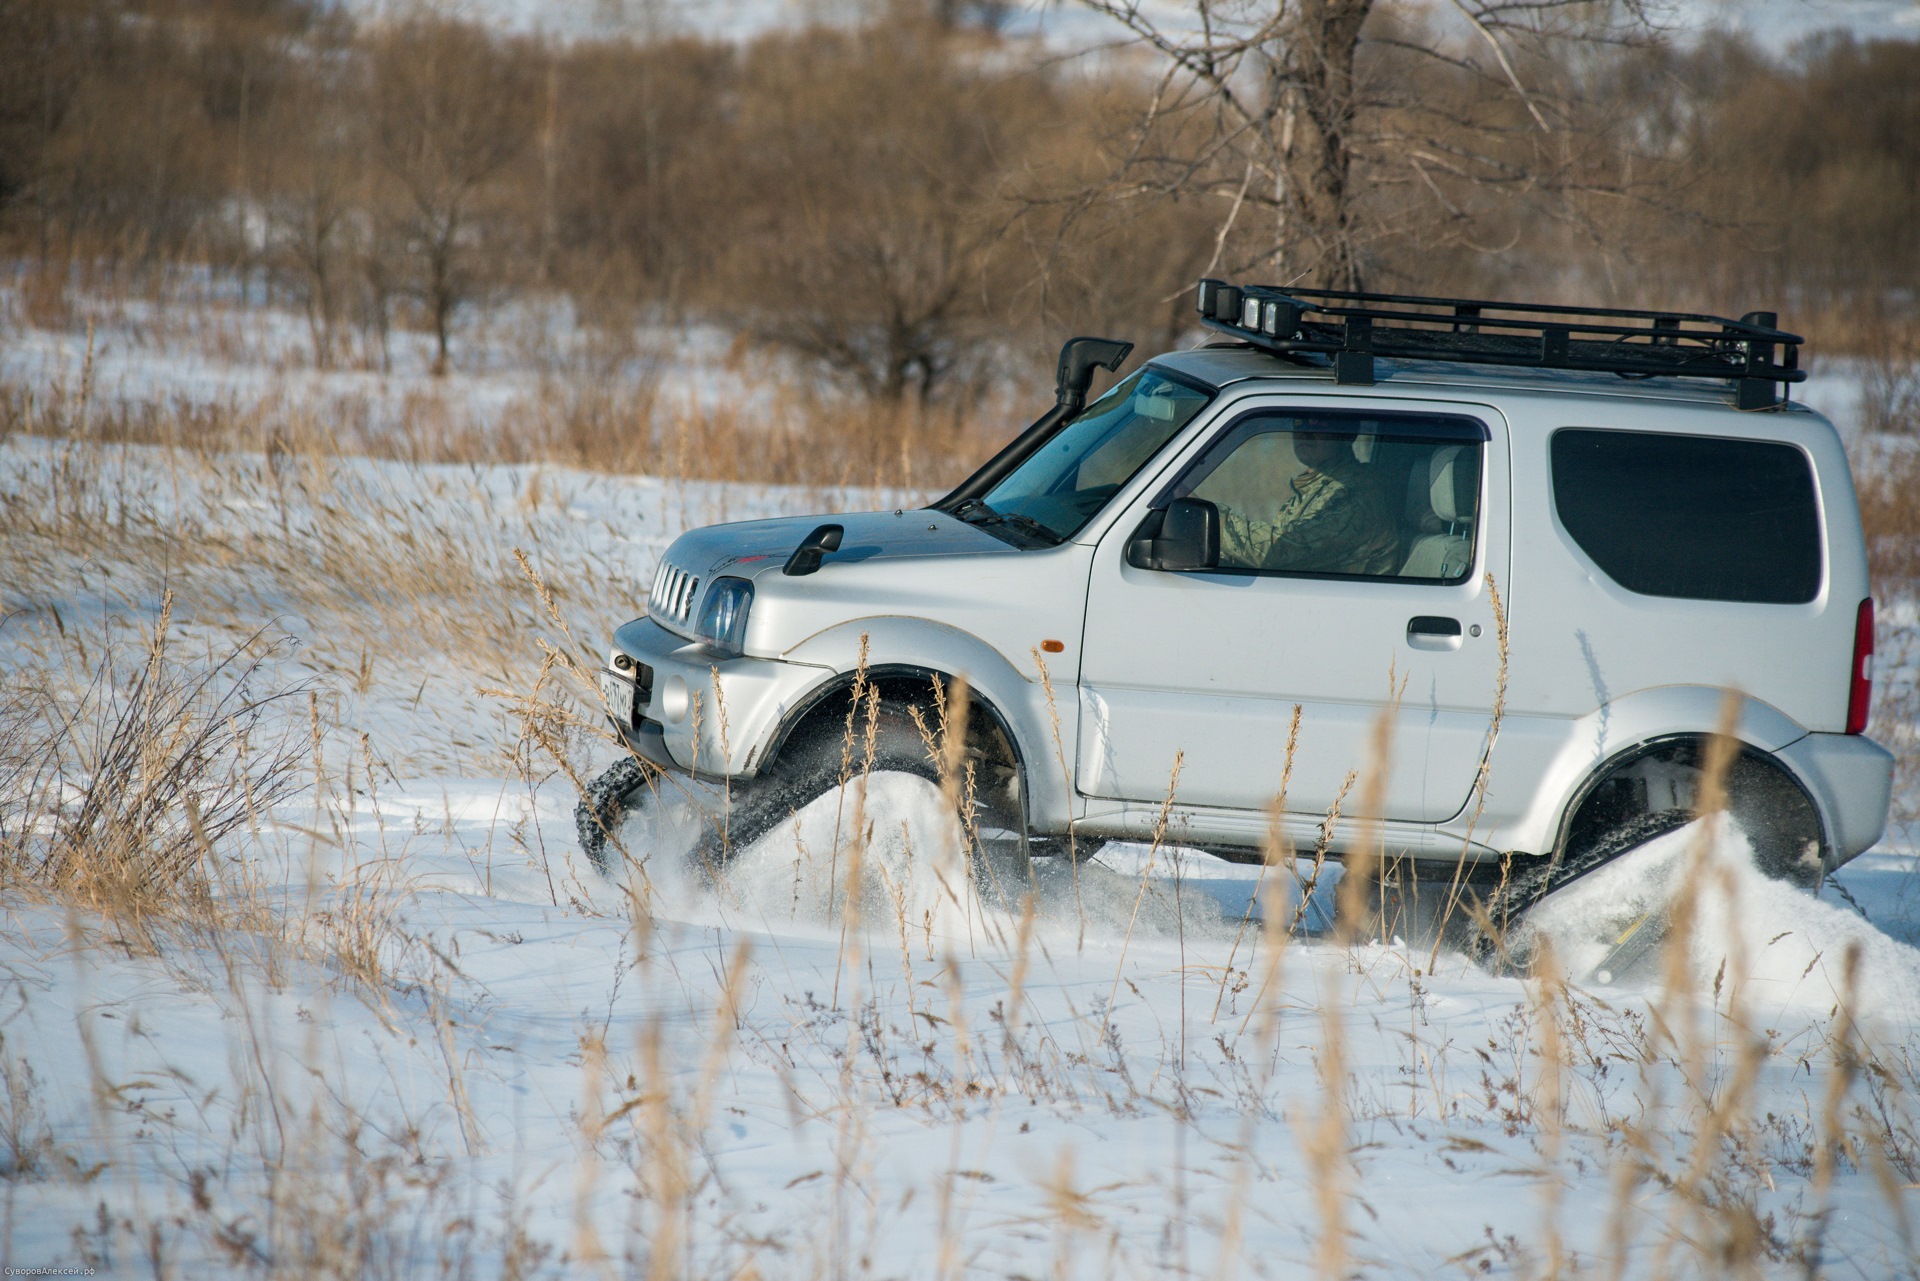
point(674, 699)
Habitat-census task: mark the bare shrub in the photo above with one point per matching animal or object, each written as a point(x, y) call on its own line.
point(117, 799)
point(1890, 392)
point(875, 244)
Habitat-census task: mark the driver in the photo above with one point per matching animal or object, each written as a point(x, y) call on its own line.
point(1334, 521)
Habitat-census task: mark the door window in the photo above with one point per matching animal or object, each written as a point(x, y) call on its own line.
point(1344, 495)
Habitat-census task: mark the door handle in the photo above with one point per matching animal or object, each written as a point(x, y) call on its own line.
point(1431, 631)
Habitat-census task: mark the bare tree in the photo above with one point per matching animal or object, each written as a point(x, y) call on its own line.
point(876, 239)
point(450, 112)
point(316, 209)
point(1303, 116)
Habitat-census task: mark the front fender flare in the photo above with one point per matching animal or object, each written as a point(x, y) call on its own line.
point(917, 646)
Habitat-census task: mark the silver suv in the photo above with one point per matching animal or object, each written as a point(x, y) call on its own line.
point(1540, 546)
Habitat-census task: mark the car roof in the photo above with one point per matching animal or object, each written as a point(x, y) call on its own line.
point(1223, 364)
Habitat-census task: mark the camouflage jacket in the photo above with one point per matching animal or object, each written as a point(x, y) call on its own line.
point(1335, 522)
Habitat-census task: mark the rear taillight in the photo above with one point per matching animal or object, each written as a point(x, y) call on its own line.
point(1860, 686)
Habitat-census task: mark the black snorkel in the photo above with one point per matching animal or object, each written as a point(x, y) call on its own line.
point(1079, 357)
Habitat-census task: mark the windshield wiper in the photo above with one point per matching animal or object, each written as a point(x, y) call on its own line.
point(976, 512)
point(1033, 529)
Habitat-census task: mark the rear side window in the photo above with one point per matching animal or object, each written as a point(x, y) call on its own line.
point(1698, 517)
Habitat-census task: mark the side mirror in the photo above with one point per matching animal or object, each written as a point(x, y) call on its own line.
point(1188, 538)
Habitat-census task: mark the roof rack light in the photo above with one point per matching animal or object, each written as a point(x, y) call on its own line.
point(1352, 328)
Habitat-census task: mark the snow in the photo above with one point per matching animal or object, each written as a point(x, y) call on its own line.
point(1782, 948)
point(870, 1109)
point(432, 1039)
point(208, 347)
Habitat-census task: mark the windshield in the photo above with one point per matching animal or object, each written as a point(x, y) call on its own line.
point(1069, 479)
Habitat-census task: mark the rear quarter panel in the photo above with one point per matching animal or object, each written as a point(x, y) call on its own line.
point(1583, 649)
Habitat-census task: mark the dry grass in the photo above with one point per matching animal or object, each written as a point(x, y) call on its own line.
point(769, 433)
point(137, 782)
point(116, 797)
point(1693, 1158)
point(1889, 488)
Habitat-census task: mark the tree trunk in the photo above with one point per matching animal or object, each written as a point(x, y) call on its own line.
point(1316, 158)
point(440, 300)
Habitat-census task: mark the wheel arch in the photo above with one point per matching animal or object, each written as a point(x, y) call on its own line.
point(826, 704)
point(1543, 766)
point(1013, 694)
point(1776, 809)
point(883, 675)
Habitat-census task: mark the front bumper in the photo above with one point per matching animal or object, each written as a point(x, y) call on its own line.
point(701, 713)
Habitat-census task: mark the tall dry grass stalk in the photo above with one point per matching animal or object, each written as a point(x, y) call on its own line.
point(1146, 873)
point(1831, 1146)
point(1711, 1208)
point(1324, 1136)
point(860, 835)
point(1066, 782)
point(1549, 1103)
point(1271, 896)
point(1268, 896)
point(862, 698)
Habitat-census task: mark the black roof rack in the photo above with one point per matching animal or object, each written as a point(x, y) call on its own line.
point(1353, 328)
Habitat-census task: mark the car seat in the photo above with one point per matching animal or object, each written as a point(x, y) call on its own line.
point(1441, 500)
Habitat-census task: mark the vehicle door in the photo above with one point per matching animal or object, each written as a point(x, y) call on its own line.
point(1356, 544)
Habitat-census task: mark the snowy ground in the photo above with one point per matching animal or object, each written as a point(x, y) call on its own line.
point(219, 346)
point(428, 1039)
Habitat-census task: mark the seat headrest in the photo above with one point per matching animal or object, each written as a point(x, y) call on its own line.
point(1451, 485)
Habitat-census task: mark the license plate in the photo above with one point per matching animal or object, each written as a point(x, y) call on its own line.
point(619, 694)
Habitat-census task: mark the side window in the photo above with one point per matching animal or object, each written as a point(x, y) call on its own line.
point(1344, 494)
point(1699, 517)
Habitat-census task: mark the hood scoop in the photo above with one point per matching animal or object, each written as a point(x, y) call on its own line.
point(807, 556)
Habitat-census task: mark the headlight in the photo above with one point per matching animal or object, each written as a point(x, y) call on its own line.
point(723, 618)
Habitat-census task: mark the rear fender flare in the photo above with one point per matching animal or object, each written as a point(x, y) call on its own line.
point(1793, 806)
point(1577, 755)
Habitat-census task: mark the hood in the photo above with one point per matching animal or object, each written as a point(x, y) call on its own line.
point(753, 548)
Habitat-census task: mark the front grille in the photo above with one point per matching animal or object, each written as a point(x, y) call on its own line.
point(674, 590)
